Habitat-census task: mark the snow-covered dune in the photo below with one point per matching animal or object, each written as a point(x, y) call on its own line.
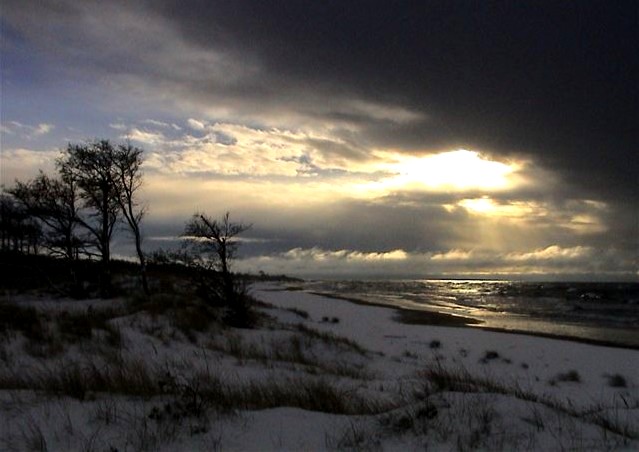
point(317, 374)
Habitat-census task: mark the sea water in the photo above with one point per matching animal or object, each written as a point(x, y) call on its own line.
point(604, 312)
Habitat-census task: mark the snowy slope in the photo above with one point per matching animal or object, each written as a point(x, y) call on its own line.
point(321, 374)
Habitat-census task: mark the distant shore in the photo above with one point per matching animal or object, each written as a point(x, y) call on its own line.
point(425, 317)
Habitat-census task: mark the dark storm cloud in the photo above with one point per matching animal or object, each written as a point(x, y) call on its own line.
point(549, 79)
point(556, 81)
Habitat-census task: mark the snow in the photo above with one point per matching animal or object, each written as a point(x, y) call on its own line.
point(375, 329)
point(550, 413)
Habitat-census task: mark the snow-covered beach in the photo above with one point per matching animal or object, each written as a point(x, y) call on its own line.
point(319, 374)
point(592, 312)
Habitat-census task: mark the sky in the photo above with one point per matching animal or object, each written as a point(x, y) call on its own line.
point(361, 139)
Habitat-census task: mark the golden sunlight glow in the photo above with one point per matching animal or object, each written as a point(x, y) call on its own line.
point(486, 206)
point(480, 205)
point(586, 224)
point(455, 170)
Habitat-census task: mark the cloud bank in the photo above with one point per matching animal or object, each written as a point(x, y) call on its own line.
point(461, 134)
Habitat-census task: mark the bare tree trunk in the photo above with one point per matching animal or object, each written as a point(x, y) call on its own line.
point(105, 278)
point(138, 249)
point(227, 278)
point(127, 161)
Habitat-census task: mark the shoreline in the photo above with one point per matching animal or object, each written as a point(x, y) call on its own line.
point(423, 317)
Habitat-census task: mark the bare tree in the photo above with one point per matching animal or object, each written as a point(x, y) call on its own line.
point(98, 186)
point(10, 218)
point(54, 202)
point(19, 232)
point(128, 178)
point(91, 168)
point(216, 242)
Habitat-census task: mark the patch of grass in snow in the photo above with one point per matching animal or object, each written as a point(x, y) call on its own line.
point(23, 319)
point(205, 390)
point(5, 355)
point(332, 339)
point(107, 411)
point(159, 422)
point(305, 393)
point(192, 319)
point(148, 435)
point(183, 313)
point(32, 437)
point(83, 379)
point(190, 315)
point(47, 333)
point(293, 349)
point(439, 379)
point(81, 326)
point(162, 303)
point(353, 437)
point(46, 347)
point(189, 396)
point(298, 312)
point(457, 409)
point(470, 422)
point(301, 347)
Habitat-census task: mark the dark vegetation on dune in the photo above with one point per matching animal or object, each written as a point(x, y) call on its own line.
point(56, 233)
point(42, 275)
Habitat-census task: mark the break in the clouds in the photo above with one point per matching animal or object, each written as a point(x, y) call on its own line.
point(451, 138)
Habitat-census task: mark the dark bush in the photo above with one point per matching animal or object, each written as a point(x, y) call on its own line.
point(570, 376)
point(25, 320)
point(489, 356)
point(617, 381)
point(240, 312)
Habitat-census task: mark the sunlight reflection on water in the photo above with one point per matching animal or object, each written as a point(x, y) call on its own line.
point(596, 311)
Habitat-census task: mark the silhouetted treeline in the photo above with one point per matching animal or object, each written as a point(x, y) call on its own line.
point(18, 230)
point(63, 224)
point(75, 213)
